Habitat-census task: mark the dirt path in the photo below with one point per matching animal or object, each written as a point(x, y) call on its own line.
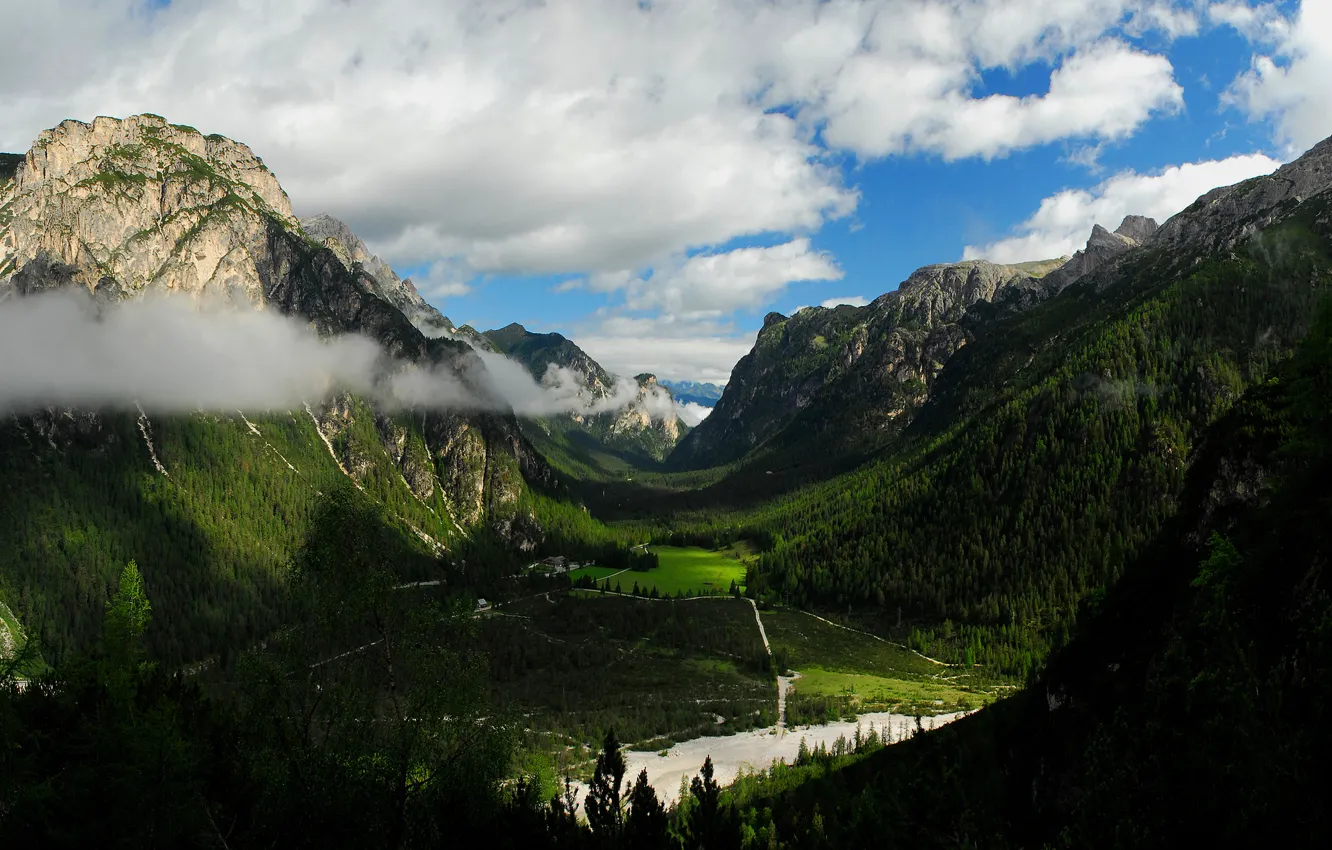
point(784, 686)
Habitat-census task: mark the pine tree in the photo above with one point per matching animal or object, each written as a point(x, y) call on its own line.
point(646, 825)
point(604, 804)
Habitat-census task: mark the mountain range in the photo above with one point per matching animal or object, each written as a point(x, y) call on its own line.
point(1103, 476)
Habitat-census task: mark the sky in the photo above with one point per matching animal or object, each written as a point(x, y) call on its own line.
point(652, 178)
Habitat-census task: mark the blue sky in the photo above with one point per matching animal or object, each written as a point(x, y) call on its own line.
point(651, 180)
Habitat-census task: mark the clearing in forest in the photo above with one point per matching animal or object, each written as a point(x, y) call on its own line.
point(689, 571)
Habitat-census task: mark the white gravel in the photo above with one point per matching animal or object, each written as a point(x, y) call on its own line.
point(758, 749)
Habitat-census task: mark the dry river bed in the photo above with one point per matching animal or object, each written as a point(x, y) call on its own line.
point(758, 749)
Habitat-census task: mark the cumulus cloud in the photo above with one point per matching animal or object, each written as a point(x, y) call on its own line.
point(1104, 91)
point(668, 347)
point(591, 135)
point(852, 300)
point(1064, 220)
point(712, 284)
point(173, 355)
point(1289, 81)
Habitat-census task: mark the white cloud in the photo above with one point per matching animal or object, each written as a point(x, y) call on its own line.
point(1293, 83)
point(712, 284)
point(853, 300)
point(590, 135)
point(443, 279)
point(671, 348)
point(1104, 91)
point(692, 412)
point(1062, 223)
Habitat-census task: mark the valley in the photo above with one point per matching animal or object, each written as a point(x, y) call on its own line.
point(1036, 512)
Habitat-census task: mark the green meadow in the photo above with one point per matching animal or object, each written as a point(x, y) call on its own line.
point(686, 570)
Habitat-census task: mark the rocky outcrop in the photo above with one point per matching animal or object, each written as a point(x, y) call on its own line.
point(850, 374)
point(356, 258)
point(1226, 215)
point(1102, 248)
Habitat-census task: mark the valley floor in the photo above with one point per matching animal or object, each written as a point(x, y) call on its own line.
point(759, 749)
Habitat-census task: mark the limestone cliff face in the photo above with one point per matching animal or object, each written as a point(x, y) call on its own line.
point(849, 373)
point(138, 206)
point(145, 204)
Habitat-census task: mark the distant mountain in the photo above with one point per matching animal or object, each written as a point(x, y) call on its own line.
point(691, 392)
point(211, 504)
point(643, 429)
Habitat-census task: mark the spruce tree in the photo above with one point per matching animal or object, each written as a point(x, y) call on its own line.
point(604, 804)
point(646, 825)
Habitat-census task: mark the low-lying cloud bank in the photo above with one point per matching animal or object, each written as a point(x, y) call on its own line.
point(173, 355)
point(564, 390)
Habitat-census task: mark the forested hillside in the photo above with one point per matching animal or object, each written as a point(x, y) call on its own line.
point(1007, 517)
point(1190, 708)
point(1054, 445)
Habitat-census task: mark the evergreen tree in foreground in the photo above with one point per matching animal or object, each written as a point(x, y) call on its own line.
point(604, 804)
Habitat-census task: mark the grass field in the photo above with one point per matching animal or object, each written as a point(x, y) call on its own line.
point(844, 671)
point(689, 571)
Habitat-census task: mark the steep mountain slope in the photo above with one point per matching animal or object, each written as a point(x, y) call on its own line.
point(126, 208)
point(643, 429)
point(356, 258)
point(1053, 446)
point(1190, 708)
point(850, 376)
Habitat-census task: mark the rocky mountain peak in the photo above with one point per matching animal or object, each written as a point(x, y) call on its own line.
point(1228, 214)
point(1102, 247)
point(143, 204)
point(1137, 227)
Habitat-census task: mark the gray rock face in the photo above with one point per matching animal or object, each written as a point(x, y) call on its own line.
point(353, 254)
point(148, 204)
point(1102, 248)
point(855, 373)
point(1226, 215)
point(1137, 227)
